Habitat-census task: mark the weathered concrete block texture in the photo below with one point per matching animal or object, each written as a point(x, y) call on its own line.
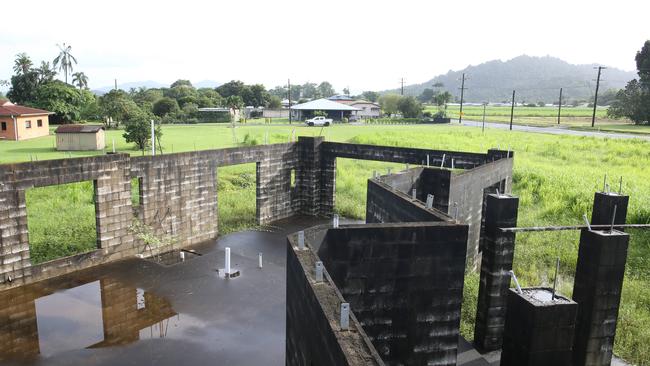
point(404, 283)
point(467, 191)
point(314, 336)
point(385, 205)
point(497, 258)
point(538, 331)
point(603, 210)
point(597, 290)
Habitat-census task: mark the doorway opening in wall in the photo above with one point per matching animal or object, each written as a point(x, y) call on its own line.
point(352, 184)
point(236, 197)
point(61, 220)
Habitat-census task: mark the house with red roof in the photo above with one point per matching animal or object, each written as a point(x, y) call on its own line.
point(18, 122)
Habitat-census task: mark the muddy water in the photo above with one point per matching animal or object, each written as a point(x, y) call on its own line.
point(137, 312)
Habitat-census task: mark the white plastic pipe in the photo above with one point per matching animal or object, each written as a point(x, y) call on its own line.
point(227, 269)
point(153, 139)
point(259, 260)
point(345, 316)
point(182, 256)
point(335, 221)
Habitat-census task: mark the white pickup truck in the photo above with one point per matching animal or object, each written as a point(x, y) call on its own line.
point(319, 121)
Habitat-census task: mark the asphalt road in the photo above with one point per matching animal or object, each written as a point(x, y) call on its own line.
point(554, 130)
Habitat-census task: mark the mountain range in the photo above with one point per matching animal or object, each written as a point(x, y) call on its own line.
point(535, 79)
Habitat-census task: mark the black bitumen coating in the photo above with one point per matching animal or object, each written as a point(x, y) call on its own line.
point(214, 321)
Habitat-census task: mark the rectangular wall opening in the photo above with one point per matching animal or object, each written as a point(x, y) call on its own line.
point(61, 220)
point(352, 184)
point(236, 197)
point(136, 195)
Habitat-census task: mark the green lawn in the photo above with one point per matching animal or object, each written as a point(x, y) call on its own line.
point(555, 178)
point(535, 116)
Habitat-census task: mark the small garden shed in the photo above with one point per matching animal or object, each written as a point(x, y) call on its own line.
point(80, 137)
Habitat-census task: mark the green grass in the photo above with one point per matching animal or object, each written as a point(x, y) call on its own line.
point(555, 178)
point(536, 116)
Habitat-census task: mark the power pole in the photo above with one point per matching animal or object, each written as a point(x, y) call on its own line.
point(559, 107)
point(289, 97)
point(115, 84)
point(462, 95)
point(483, 127)
point(512, 109)
point(402, 82)
point(593, 117)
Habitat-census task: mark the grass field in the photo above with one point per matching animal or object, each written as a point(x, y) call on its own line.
point(537, 116)
point(555, 177)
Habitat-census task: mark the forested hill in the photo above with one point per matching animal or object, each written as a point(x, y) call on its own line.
point(534, 78)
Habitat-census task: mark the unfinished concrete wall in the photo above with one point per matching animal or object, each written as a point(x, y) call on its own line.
point(404, 283)
point(178, 192)
point(466, 192)
point(314, 336)
point(385, 205)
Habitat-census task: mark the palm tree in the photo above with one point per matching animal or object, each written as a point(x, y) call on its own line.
point(64, 60)
point(45, 72)
point(80, 80)
point(22, 64)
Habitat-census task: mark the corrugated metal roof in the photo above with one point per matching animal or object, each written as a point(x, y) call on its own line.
point(78, 129)
point(323, 105)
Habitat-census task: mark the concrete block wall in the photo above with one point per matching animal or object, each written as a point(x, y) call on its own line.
point(497, 259)
point(385, 205)
point(314, 336)
point(18, 326)
point(597, 290)
point(404, 283)
point(110, 174)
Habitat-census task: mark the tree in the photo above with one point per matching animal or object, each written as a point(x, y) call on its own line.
point(165, 106)
point(370, 96)
point(259, 95)
point(22, 64)
point(325, 89)
point(45, 73)
point(80, 80)
point(274, 102)
point(118, 107)
point(346, 91)
point(231, 88)
point(409, 107)
point(388, 103)
point(181, 82)
point(64, 100)
point(137, 129)
point(634, 101)
point(23, 88)
point(208, 98)
point(441, 100)
point(64, 60)
point(607, 97)
point(426, 95)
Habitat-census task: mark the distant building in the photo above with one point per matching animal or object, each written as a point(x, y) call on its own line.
point(21, 123)
point(334, 110)
point(80, 137)
point(340, 97)
point(366, 109)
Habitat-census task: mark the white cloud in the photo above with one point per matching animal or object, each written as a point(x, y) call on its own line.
point(361, 44)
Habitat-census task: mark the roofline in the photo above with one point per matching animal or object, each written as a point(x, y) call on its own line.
point(27, 114)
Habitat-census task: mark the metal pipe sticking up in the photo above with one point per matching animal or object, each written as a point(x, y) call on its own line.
point(584, 217)
point(227, 260)
point(557, 271)
point(427, 159)
point(182, 255)
point(301, 240)
point(345, 316)
point(429, 201)
point(259, 260)
point(514, 278)
point(442, 162)
point(611, 228)
point(414, 194)
point(318, 271)
point(335, 221)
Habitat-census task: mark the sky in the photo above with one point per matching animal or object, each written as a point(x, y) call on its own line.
point(363, 45)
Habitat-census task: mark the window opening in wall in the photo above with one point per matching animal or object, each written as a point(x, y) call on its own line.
point(28, 124)
point(236, 197)
point(61, 220)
